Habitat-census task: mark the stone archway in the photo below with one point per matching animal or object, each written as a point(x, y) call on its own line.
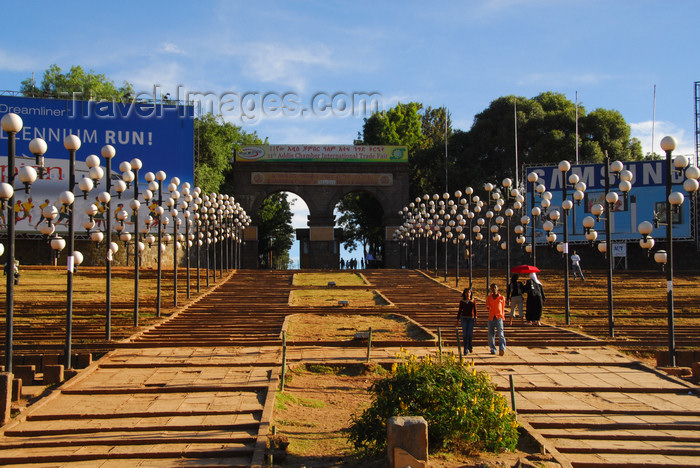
point(322, 175)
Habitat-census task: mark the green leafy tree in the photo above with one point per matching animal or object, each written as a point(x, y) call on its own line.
point(427, 164)
point(275, 231)
point(400, 125)
point(606, 130)
point(76, 83)
point(546, 135)
point(361, 221)
point(215, 141)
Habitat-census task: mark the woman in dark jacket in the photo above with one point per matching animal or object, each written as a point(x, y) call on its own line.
point(467, 317)
point(535, 300)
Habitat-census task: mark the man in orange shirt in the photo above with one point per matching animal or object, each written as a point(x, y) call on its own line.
point(495, 305)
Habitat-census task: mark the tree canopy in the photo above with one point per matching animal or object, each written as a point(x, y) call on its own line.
point(215, 141)
point(361, 221)
point(275, 231)
point(546, 130)
point(76, 83)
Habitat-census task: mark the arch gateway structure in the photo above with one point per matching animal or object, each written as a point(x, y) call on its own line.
point(321, 175)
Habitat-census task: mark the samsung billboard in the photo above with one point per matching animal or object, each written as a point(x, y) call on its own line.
point(648, 195)
point(160, 135)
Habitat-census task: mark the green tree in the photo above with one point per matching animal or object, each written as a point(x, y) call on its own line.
point(400, 125)
point(427, 164)
point(606, 130)
point(361, 221)
point(76, 83)
point(215, 141)
point(546, 126)
point(275, 231)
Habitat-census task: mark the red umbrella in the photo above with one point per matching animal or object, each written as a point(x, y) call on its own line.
point(524, 269)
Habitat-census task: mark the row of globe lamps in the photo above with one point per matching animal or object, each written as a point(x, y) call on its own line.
point(217, 218)
point(680, 165)
point(425, 217)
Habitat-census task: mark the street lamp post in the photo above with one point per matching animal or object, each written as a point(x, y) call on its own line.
point(172, 204)
point(446, 215)
point(466, 211)
point(160, 177)
point(72, 144)
point(611, 200)
point(673, 202)
point(108, 152)
point(566, 205)
point(12, 124)
point(135, 165)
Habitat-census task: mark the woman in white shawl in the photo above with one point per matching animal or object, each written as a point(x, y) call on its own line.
point(535, 300)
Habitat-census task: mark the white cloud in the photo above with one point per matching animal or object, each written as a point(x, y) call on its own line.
point(167, 75)
point(300, 211)
point(562, 79)
point(19, 62)
point(284, 64)
point(171, 48)
point(642, 131)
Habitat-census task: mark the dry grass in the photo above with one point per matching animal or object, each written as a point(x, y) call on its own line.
point(322, 279)
point(340, 327)
point(331, 296)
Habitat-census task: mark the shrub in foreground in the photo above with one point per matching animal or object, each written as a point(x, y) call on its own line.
point(462, 407)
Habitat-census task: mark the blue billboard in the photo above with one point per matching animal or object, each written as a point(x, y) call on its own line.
point(160, 135)
point(648, 195)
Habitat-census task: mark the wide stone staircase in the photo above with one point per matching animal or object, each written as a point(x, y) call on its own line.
point(198, 388)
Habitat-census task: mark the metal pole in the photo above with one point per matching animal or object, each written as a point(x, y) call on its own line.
point(669, 262)
point(418, 241)
point(488, 251)
point(160, 252)
point(426, 251)
point(187, 253)
point(174, 207)
point(213, 248)
point(70, 261)
point(508, 263)
point(136, 249)
point(471, 272)
point(435, 243)
point(457, 261)
point(534, 223)
point(10, 262)
point(108, 253)
point(608, 247)
point(206, 244)
point(567, 311)
point(446, 244)
point(199, 250)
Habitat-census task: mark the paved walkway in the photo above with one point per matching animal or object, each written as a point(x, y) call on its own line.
point(187, 394)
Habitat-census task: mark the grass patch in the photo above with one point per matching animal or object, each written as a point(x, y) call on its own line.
point(331, 296)
point(284, 399)
point(322, 279)
point(341, 327)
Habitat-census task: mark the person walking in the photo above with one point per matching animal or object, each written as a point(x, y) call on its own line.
point(514, 297)
point(576, 264)
point(496, 304)
point(466, 317)
point(535, 300)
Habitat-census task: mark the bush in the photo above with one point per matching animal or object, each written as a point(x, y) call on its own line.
point(462, 407)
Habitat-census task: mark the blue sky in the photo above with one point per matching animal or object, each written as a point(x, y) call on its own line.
point(461, 55)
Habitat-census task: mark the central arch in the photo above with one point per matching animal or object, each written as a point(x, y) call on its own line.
point(322, 175)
